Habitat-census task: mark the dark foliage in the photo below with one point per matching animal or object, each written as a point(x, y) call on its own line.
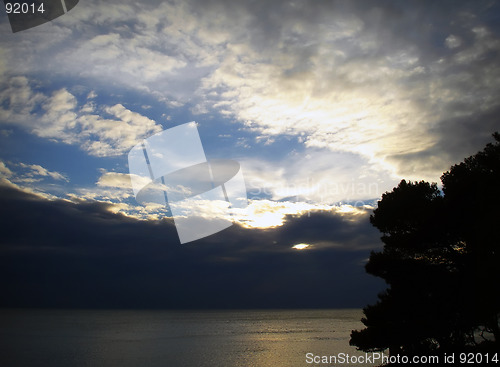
point(441, 261)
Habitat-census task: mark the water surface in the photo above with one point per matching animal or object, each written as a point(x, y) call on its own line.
point(257, 338)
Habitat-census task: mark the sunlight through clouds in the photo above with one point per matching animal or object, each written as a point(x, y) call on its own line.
point(326, 106)
point(301, 246)
point(270, 214)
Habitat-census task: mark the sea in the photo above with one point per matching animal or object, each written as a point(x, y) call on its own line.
point(150, 338)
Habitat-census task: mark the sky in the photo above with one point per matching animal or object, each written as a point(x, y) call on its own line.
point(326, 105)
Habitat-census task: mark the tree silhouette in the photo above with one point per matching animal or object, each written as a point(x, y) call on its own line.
point(441, 262)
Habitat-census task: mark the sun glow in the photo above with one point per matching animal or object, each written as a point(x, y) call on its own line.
point(300, 246)
point(269, 214)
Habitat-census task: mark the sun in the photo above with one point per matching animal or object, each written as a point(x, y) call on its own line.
point(301, 246)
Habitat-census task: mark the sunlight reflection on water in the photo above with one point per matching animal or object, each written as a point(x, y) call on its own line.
point(257, 338)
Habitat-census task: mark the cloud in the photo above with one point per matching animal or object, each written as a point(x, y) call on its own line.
point(318, 176)
point(452, 41)
point(115, 179)
point(271, 214)
point(35, 170)
point(18, 100)
point(114, 189)
point(21, 181)
point(23, 173)
point(360, 81)
point(151, 47)
point(84, 255)
point(57, 117)
point(114, 137)
point(374, 83)
point(4, 170)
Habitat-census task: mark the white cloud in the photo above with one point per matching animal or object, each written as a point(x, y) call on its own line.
point(115, 188)
point(106, 137)
point(359, 108)
point(318, 176)
point(157, 48)
point(35, 170)
point(62, 120)
point(115, 179)
point(356, 89)
point(17, 101)
point(23, 176)
point(4, 170)
point(29, 173)
point(59, 118)
point(452, 41)
point(347, 78)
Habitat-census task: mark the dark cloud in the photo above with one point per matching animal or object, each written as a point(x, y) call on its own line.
point(459, 138)
point(395, 25)
point(63, 254)
point(429, 71)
